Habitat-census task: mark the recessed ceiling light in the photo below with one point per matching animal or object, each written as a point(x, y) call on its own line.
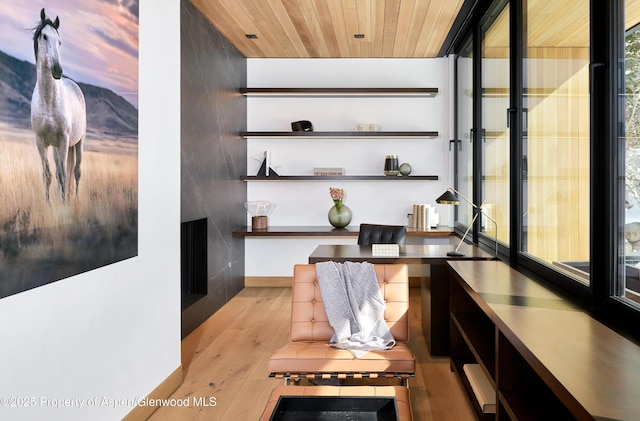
point(251, 36)
point(358, 35)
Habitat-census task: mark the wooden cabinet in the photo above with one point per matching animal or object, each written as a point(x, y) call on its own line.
point(472, 342)
point(543, 357)
point(523, 394)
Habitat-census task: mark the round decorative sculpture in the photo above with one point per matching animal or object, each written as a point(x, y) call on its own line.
point(405, 168)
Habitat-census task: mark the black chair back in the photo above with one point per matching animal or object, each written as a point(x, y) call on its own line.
point(382, 234)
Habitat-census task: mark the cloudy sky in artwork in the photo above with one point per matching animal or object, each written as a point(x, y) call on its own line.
point(99, 39)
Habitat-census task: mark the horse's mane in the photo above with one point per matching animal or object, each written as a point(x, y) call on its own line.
point(38, 30)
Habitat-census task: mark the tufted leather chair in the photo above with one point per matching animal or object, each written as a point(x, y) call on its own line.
point(308, 354)
point(382, 234)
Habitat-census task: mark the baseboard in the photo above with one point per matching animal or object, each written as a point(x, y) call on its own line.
point(163, 391)
point(268, 281)
point(286, 281)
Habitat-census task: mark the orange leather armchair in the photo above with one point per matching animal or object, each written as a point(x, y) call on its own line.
point(308, 353)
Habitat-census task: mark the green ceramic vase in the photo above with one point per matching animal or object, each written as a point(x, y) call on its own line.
point(340, 216)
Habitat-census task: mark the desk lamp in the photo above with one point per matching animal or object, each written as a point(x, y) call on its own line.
point(450, 197)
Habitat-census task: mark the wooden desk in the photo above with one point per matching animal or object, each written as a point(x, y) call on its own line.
point(435, 294)
point(546, 358)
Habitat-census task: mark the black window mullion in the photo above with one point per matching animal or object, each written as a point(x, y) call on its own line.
point(604, 216)
point(477, 127)
point(517, 158)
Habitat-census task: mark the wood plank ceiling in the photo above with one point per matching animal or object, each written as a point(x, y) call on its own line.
point(546, 32)
point(328, 28)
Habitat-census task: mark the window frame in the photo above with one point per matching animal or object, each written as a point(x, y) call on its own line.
point(607, 48)
point(492, 13)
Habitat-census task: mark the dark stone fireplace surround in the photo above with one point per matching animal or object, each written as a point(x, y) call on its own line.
point(213, 157)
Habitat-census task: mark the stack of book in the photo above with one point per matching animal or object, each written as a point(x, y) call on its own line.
point(424, 217)
point(328, 171)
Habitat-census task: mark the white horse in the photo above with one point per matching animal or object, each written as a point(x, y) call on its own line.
point(58, 111)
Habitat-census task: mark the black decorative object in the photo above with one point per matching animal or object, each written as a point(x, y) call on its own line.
point(302, 126)
point(262, 172)
point(391, 165)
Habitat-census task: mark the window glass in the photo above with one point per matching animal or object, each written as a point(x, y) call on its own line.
point(495, 128)
point(556, 190)
point(629, 281)
point(464, 71)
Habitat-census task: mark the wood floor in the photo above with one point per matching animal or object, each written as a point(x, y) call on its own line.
point(226, 358)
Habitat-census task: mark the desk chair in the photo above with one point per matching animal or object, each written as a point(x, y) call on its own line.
point(382, 234)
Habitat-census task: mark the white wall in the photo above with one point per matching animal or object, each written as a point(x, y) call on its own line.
point(113, 332)
point(307, 203)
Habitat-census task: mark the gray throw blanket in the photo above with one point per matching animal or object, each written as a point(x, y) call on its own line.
point(355, 307)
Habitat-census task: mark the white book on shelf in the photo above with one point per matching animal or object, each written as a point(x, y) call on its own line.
point(267, 162)
point(485, 393)
point(426, 210)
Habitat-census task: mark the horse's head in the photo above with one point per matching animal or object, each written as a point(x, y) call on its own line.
point(46, 45)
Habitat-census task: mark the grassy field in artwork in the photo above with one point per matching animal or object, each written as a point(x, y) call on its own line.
point(96, 228)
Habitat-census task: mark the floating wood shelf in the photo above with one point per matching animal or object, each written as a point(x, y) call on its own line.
point(340, 92)
point(329, 231)
point(334, 135)
point(340, 178)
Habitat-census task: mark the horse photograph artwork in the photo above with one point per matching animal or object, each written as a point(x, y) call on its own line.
point(68, 138)
point(58, 110)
